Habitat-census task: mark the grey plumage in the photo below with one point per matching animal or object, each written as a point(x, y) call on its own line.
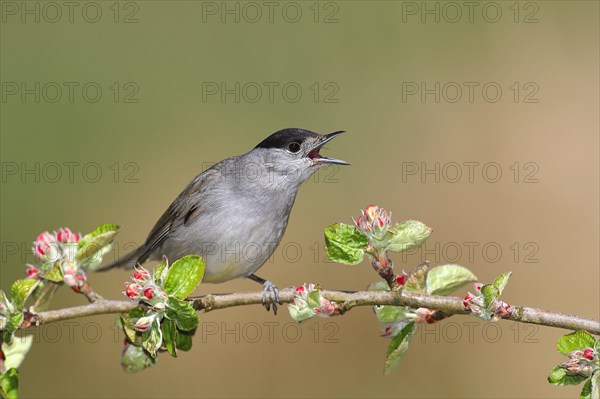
point(235, 213)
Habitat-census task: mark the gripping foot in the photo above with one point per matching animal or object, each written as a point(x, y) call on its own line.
point(270, 293)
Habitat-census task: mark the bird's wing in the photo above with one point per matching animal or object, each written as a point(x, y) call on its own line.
point(184, 210)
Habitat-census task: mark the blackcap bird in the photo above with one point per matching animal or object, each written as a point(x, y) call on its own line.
point(235, 213)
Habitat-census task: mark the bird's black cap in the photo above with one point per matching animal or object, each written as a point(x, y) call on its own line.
point(283, 138)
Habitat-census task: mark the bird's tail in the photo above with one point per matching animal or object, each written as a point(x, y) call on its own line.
point(125, 262)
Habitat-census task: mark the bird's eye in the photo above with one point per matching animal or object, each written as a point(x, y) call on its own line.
point(294, 147)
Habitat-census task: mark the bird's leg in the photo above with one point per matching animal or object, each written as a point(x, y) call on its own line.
point(270, 293)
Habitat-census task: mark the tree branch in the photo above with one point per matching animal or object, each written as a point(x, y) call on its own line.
point(345, 300)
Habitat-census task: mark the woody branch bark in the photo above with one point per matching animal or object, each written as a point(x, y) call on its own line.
point(345, 300)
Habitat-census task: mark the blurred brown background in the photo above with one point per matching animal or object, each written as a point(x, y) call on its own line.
point(141, 121)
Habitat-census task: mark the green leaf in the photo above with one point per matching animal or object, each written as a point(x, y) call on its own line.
point(597, 346)
point(595, 388)
point(344, 244)
point(168, 331)
point(14, 322)
point(406, 235)
point(300, 314)
point(102, 234)
point(579, 339)
point(182, 313)
point(183, 339)
point(398, 347)
point(42, 296)
point(7, 336)
point(52, 271)
point(15, 351)
point(96, 258)
point(4, 299)
point(386, 313)
point(135, 358)
point(586, 391)
point(184, 275)
point(313, 298)
point(558, 376)
point(417, 280)
point(152, 339)
point(160, 271)
point(20, 290)
point(93, 246)
point(443, 280)
point(130, 333)
point(501, 281)
point(127, 323)
point(9, 384)
point(491, 292)
point(378, 286)
point(389, 314)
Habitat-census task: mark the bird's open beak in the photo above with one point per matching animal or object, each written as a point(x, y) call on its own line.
point(317, 158)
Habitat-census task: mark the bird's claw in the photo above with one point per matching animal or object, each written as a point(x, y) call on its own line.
point(270, 296)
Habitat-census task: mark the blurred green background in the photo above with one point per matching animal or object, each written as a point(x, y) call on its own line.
point(121, 154)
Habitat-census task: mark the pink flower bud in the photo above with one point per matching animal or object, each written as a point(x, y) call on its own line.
point(300, 288)
point(329, 309)
point(46, 237)
point(387, 331)
point(401, 279)
point(43, 245)
point(132, 290)
point(2, 366)
point(69, 280)
point(326, 308)
point(466, 300)
point(477, 286)
point(371, 210)
point(373, 221)
point(577, 367)
point(422, 315)
point(32, 272)
point(149, 292)
point(65, 235)
point(589, 354)
point(144, 323)
point(80, 277)
point(300, 303)
point(502, 309)
point(576, 354)
point(141, 275)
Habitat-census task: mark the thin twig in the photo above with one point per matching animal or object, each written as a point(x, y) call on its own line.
point(346, 300)
point(86, 290)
